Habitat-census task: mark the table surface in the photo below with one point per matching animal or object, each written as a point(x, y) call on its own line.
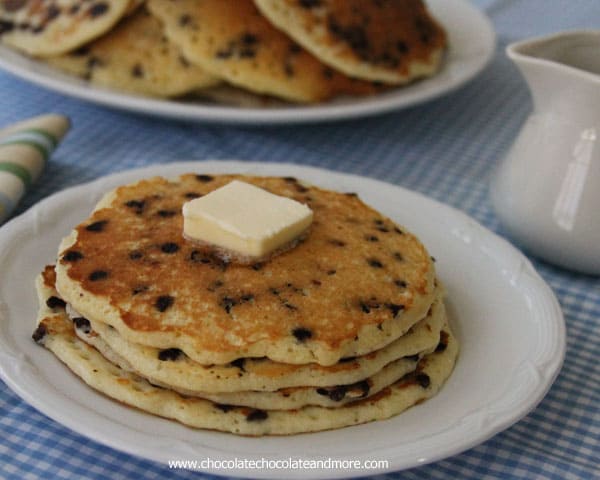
point(445, 149)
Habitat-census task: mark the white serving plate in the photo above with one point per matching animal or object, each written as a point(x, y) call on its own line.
point(472, 44)
point(508, 322)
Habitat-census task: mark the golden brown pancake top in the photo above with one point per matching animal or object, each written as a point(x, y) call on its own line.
point(355, 268)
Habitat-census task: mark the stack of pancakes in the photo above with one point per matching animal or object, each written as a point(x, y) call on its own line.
point(295, 50)
point(347, 327)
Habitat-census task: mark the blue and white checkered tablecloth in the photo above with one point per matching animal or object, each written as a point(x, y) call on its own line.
point(445, 149)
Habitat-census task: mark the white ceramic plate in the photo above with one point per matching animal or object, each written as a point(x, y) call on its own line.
point(508, 322)
point(472, 42)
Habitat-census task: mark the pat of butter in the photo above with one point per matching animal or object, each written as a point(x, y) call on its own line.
point(245, 219)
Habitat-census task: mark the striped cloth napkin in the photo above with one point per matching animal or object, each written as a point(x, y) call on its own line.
point(25, 148)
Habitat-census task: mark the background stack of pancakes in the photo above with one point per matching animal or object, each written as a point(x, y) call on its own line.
point(296, 50)
point(347, 327)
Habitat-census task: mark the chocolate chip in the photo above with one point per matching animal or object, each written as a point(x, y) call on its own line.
point(354, 35)
point(398, 231)
point(192, 195)
point(258, 266)
point(433, 259)
point(443, 344)
point(423, 380)
point(98, 9)
point(257, 416)
point(169, 247)
point(331, 272)
point(301, 333)
point(214, 286)
point(228, 303)
point(394, 308)
point(249, 39)
point(347, 359)
point(6, 26)
point(39, 334)
point(72, 256)
point(199, 257)
point(398, 256)
point(184, 20)
point(373, 262)
point(239, 363)
point(52, 13)
point(98, 275)
point(136, 205)
point(290, 179)
point(402, 47)
point(223, 407)
point(135, 255)
point(170, 354)
point(93, 62)
point(55, 302)
point(383, 229)
point(80, 52)
point(337, 243)
point(351, 194)
point(365, 308)
point(310, 3)
point(400, 283)
point(328, 73)
point(336, 394)
point(371, 238)
point(164, 302)
point(137, 71)
point(82, 324)
point(204, 178)
point(166, 213)
point(223, 54)
point(96, 226)
point(247, 297)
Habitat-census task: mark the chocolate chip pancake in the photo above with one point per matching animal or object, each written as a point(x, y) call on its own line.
point(391, 41)
point(135, 56)
point(232, 40)
point(52, 27)
point(55, 331)
point(173, 369)
point(356, 284)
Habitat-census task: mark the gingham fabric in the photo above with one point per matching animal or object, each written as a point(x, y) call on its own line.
point(446, 149)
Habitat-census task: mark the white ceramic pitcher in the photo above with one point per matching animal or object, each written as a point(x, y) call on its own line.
point(547, 189)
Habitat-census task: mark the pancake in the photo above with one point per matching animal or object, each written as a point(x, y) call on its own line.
point(284, 399)
point(229, 95)
point(135, 56)
point(231, 40)
point(357, 283)
point(56, 333)
point(391, 41)
point(52, 27)
point(180, 372)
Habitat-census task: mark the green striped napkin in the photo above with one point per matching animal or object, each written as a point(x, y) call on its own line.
point(24, 150)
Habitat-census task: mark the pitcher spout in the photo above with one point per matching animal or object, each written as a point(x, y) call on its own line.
point(562, 71)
